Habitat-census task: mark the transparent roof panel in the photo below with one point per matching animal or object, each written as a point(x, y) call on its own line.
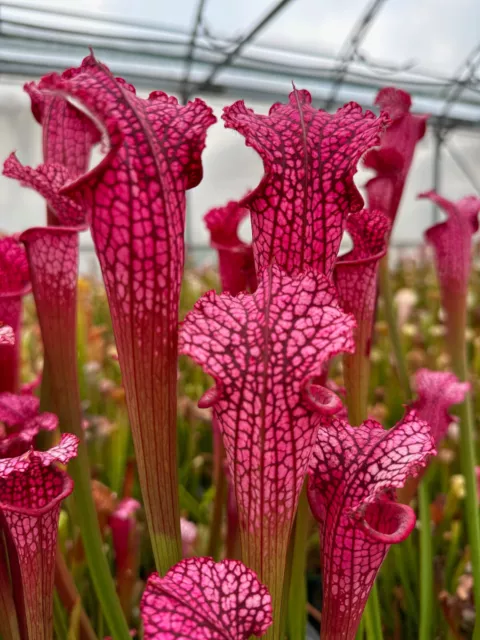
point(424, 43)
point(178, 14)
point(321, 27)
point(234, 19)
point(418, 46)
point(433, 34)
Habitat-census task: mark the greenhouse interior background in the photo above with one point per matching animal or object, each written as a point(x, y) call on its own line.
point(340, 50)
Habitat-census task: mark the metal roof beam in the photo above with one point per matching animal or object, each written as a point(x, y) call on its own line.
point(231, 91)
point(463, 166)
point(191, 49)
point(350, 48)
point(465, 76)
point(235, 52)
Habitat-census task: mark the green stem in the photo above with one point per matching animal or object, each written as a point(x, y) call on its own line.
point(360, 635)
point(456, 309)
point(74, 622)
point(399, 552)
point(453, 554)
point(373, 620)
point(87, 520)
point(66, 590)
point(220, 484)
point(56, 309)
point(280, 633)
point(426, 573)
point(357, 369)
point(65, 403)
point(467, 462)
point(60, 624)
point(118, 452)
point(386, 292)
point(8, 616)
point(297, 598)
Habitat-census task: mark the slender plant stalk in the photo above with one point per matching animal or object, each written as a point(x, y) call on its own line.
point(280, 633)
point(426, 573)
point(373, 620)
point(220, 484)
point(232, 543)
point(357, 413)
point(356, 372)
point(386, 292)
point(457, 315)
point(426, 576)
point(118, 452)
point(8, 617)
point(93, 544)
point(297, 599)
point(68, 594)
point(66, 404)
point(60, 624)
point(56, 309)
point(452, 553)
point(399, 553)
point(74, 622)
point(361, 630)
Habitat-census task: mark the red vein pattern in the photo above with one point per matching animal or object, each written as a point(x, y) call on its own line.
point(352, 476)
point(392, 160)
point(263, 350)
point(21, 423)
point(355, 272)
point(452, 241)
point(136, 204)
point(31, 490)
point(200, 599)
point(355, 277)
point(47, 180)
point(68, 134)
point(310, 157)
point(437, 391)
point(235, 258)
point(237, 273)
point(14, 284)
point(53, 259)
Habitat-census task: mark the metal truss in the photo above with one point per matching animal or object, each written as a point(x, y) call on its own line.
point(191, 49)
point(464, 78)
point(236, 51)
point(351, 47)
point(34, 41)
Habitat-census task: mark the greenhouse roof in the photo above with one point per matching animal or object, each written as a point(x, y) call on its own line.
point(338, 49)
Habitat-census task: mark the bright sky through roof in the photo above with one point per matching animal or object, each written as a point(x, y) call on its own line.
point(433, 36)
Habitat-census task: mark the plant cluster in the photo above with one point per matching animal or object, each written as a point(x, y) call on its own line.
point(265, 473)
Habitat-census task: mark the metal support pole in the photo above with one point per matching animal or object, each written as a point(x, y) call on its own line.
point(230, 57)
point(191, 51)
point(437, 169)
